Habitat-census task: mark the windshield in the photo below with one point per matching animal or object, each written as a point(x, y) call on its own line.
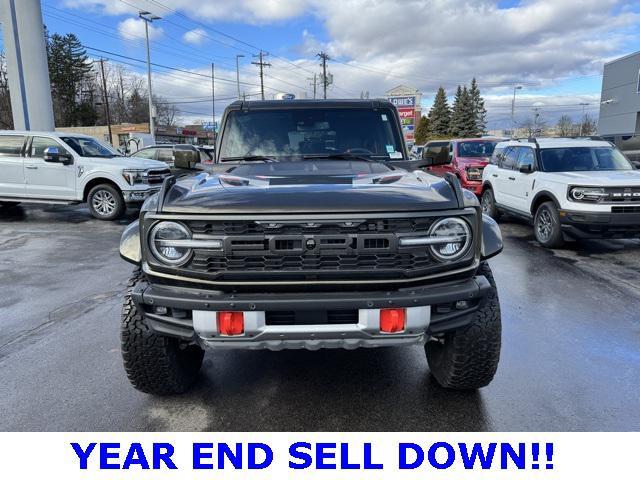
point(582, 159)
point(311, 131)
point(90, 147)
point(476, 149)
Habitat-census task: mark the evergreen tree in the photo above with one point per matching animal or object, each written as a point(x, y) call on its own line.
point(421, 134)
point(439, 115)
point(479, 111)
point(467, 126)
point(71, 82)
point(138, 107)
point(456, 118)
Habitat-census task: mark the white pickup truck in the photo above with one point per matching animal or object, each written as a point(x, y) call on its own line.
point(69, 168)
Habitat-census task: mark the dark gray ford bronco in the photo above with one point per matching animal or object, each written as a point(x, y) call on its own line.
point(310, 231)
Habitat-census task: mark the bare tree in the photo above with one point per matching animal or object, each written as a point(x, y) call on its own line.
point(588, 125)
point(565, 126)
point(166, 113)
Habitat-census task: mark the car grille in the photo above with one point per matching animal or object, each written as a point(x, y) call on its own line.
point(301, 251)
point(155, 177)
point(622, 194)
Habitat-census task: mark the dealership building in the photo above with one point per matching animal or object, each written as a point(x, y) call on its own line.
point(408, 102)
point(620, 104)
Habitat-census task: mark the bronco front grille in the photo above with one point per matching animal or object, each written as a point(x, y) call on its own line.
point(340, 249)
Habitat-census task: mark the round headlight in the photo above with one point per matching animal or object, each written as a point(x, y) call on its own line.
point(167, 242)
point(454, 238)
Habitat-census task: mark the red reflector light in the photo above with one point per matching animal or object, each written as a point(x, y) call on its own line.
point(230, 323)
point(392, 320)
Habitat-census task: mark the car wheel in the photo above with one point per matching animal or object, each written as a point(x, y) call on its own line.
point(488, 203)
point(154, 363)
point(106, 202)
point(546, 226)
point(467, 358)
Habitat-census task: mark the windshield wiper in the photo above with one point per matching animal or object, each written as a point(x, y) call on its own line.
point(340, 156)
point(250, 158)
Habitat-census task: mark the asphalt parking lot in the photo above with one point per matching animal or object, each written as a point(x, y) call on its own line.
point(570, 358)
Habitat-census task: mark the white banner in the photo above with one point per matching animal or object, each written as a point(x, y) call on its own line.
point(441, 456)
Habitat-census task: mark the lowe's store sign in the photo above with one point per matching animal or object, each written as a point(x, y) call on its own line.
point(403, 102)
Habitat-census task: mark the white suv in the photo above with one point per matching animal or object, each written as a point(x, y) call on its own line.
point(68, 168)
point(570, 187)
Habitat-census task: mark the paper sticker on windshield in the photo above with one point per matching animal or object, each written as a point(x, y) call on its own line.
point(395, 154)
point(384, 118)
point(390, 149)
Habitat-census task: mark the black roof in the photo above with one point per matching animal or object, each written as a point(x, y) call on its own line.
point(309, 103)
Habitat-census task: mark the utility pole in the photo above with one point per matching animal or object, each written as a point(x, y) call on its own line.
point(213, 97)
point(313, 84)
point(106, 100)
point(324, 57)
point(261, 64)
point(148, 18)
point(583, 118)
point(513, 110)
point(238, 73)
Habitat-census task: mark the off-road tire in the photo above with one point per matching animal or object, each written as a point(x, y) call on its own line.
point(8, 204)
point(115, 207)
point(154, 363)
point(549, 213)
point(488, 202)
point(467, 358)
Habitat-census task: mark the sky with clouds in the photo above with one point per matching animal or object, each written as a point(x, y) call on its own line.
point(554, 49)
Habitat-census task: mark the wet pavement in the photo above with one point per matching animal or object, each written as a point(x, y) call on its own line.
point(570, 357)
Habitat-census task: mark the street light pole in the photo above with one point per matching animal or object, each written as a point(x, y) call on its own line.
point(238, 73)
point(582, 119)
point(147, 17)
point(513, 109)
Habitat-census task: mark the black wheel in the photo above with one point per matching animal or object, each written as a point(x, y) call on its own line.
point(106, 202)
point(154, 363)
point(546, 226)
point(488, 203)
point(8, 204)
point(467, 358)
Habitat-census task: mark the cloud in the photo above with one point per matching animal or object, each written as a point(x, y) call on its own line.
point(133, 29)
point(378, 44)
point(195, 37)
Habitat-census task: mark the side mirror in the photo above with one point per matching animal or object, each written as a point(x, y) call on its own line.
point(53, 155)
point(186, 158)
point(527, 168)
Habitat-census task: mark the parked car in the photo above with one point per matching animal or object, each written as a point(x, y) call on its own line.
point(466, 158)
point(310, 238)
point(570, 188)
point(69, 168)
point(629, 145)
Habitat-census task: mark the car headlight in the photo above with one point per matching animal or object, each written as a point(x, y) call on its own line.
point(587, 194)
point(474, 173)
point(450, 238)
point(134, 176)
point(168, 241)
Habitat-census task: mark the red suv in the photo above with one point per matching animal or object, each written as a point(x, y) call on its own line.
point(465, 157)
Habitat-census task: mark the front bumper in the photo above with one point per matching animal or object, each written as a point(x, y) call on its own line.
point(585, 224)
point(190, 314)
point(138, 196)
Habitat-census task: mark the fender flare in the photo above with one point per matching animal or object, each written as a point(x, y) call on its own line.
point(544, 193)
point(492, 243)
point(130, 248)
